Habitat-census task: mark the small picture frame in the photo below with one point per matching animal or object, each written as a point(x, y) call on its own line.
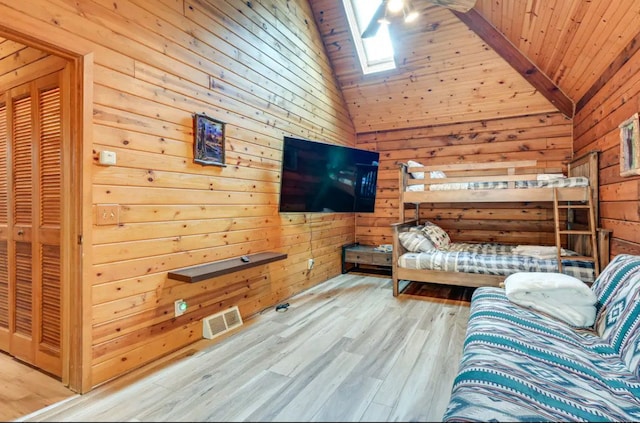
point(208, 145)
point(630, 146)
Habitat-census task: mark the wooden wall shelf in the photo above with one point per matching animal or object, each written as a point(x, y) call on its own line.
point(217, 268)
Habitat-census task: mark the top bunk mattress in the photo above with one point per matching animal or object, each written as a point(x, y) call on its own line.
point(577, 181)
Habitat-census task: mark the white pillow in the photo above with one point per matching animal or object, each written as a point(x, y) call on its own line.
point(416, 175)
point(434, 174)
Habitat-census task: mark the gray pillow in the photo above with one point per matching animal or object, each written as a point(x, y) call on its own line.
point(415, 241)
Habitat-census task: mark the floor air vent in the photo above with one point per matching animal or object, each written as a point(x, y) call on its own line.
point(221, 322)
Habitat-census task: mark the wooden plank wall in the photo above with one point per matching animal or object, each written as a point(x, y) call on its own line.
point(573, 42)
point(15, 56)
point(445, 74)
point(258, 66)
point(546, 138)
point(596, 128)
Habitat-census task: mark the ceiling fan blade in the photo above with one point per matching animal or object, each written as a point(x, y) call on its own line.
point(374, 25)
point(459, 5)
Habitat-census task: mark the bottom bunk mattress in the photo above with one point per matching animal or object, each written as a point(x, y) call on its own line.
point(494, 259)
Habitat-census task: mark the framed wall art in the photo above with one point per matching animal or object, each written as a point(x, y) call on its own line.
point(208, 145)
point(629, 146)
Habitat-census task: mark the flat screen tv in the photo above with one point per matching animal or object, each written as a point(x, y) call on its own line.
point(320, 177)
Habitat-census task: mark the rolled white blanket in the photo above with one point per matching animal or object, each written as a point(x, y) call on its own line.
point(543, 252)
point(535, 248)
point(550, 176)
point(559, 295)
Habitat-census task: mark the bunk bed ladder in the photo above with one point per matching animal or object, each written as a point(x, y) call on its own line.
point(590, 231)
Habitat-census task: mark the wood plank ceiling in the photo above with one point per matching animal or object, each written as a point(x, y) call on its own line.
point(446, 73)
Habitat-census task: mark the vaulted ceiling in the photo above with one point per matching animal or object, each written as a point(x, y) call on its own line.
point(531, 56)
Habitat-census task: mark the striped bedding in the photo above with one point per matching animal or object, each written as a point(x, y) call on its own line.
point(492, 259)
point(577, 181)
point(521, 365)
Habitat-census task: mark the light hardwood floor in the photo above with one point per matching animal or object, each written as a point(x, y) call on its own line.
point(346, 350)
point(24, 389)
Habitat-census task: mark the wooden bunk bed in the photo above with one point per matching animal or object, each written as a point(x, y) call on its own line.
point(517, 181)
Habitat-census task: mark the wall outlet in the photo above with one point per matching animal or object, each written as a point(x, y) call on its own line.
point(107, 158)
point(180, 307)
point(310, 264)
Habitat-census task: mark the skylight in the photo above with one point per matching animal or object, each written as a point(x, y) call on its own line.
point(375, 53)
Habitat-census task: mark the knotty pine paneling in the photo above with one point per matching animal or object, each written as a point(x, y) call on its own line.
point(571, 41)
point(596, 128)
point(14, 56)
point(261, 68)
point(543, 137)
point(445, 74)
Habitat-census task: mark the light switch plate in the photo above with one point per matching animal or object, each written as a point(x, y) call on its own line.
point(107, 214)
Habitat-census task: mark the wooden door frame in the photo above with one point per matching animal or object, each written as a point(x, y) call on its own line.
point(76, 215)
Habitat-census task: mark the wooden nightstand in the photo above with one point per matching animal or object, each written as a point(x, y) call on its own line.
point(376, 261)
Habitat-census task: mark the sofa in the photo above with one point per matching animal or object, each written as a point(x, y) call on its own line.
point(519, 364)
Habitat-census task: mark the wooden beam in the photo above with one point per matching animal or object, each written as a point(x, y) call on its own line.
point(613, 68)
point(498, 42)
point(459, 5)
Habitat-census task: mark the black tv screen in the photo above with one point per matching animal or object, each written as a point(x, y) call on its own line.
point(319, 177)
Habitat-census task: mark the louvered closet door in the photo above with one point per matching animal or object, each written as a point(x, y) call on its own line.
point(30, 193)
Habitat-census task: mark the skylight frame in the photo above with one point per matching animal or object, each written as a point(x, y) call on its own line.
point(366, 49)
